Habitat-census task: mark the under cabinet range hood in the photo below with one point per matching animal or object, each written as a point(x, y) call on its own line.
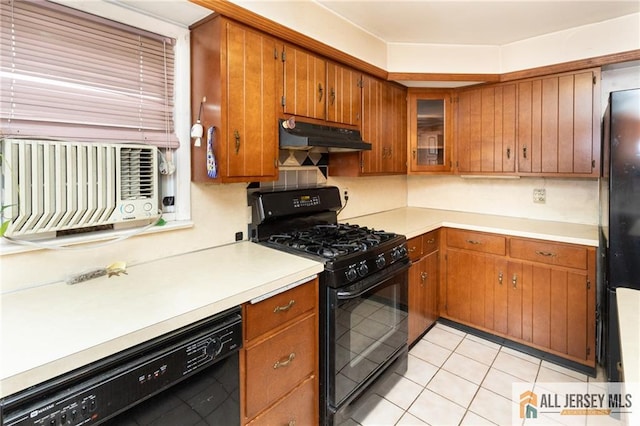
point(308, 136)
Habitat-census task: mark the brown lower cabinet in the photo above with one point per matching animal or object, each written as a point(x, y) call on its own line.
point(538, 293)
point(423, 283)
point(279, 360)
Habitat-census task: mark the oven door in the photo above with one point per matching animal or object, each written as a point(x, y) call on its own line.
point(366, 332)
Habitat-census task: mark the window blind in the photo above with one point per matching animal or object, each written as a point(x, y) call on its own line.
point(70, 75)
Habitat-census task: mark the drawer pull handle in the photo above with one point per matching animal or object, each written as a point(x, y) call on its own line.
point(285, 307)
point(291, 423)
point(473, 242)
point(286, 362)
point(546, 253)
point(500, 278)
point(412, 249)
point(431, 241)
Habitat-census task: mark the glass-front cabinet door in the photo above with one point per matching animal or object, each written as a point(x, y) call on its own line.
point(430, 122)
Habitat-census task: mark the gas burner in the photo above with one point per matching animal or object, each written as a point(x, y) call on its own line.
point(332, 240)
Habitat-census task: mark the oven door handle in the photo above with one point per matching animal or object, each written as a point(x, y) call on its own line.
point(373, 281)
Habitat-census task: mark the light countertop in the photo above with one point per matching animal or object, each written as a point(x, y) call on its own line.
point(50, 330)
point(413, 221)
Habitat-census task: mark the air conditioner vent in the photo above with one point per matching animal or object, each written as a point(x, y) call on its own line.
point(137, 167)
point(64, 186)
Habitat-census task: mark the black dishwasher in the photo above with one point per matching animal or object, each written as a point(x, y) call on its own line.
point(186, 377)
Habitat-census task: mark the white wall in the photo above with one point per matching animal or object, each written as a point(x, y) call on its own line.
point(371, 194)
point(568, 200)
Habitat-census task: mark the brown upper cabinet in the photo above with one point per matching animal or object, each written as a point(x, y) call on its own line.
point(486, 130)
point(558, 124)
point(546, 126)
point(383, 125)
point(344, 94)
point(430, 122)
point(235, 69)
point(304, 83)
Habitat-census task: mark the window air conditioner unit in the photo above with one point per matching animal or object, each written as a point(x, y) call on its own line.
point(58, 188)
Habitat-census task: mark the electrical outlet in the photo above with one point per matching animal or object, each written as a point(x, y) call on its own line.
point(539, 195)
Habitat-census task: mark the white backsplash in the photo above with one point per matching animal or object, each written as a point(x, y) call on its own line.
point(567, 200)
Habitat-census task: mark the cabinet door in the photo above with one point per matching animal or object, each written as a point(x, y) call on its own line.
point(561, 311)
point(417, 295)
point(393, 154)
point(344, 94)
point(486, 130)
point(516, 284)
point(430, 120)
point(431, 281)
point(423, 295)
point(558, 124)
point(304, 82)
point(251, 131)
point(371, 124)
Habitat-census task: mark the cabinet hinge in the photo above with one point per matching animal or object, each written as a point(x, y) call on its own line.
point(593, 164)
point(588, 351)
point(594, 80)
point(362, 165)
point(283, 101)
point(284, 56)
point(360, 82)
point(588, 284)
point(275, 53)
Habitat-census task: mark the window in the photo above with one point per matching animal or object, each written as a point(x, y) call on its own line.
point(71, 75)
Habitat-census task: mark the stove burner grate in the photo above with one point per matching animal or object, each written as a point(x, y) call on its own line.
point(332, 240)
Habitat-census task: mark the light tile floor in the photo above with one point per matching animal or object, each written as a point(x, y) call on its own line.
point(455, 378)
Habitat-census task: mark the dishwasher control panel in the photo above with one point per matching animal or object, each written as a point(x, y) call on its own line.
point(90, 398)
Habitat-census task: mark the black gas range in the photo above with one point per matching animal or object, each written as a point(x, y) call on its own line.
point(363, 292)
point(304, 222)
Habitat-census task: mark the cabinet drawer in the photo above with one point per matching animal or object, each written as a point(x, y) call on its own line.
point(414, 247)
point(276, 310)
point(297, 408)
point(430, 242)
point(476, 241)
point(572, 256)
point(278, 364)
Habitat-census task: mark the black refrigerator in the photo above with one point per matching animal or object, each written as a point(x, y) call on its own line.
point(619, 215)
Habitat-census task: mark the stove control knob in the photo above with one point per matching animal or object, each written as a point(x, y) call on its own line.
point(351, 273)
point(380, 261)
point(363, 269)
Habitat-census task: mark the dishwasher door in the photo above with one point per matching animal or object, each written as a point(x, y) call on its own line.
point(187, 377)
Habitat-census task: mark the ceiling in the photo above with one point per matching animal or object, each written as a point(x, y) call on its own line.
point(473, 22)
point(469, 22)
